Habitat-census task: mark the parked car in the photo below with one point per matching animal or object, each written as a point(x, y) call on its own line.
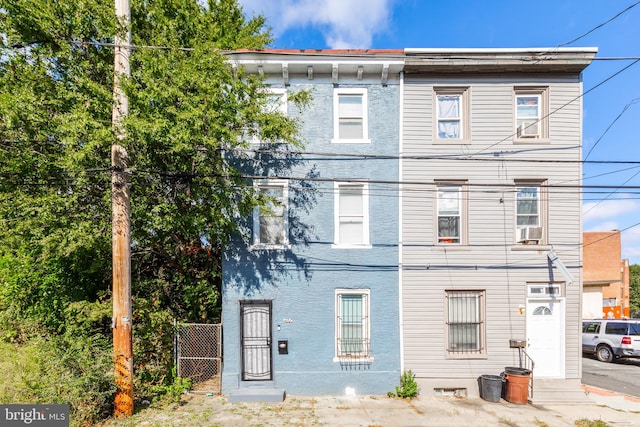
point(610, 339)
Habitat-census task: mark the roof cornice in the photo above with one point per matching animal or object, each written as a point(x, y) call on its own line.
point(384, 62)
point(505, 60)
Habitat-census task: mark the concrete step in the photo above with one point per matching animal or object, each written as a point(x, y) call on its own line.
point(257, 394)
point(559, 391)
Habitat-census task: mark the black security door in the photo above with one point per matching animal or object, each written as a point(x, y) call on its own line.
point(255, 319)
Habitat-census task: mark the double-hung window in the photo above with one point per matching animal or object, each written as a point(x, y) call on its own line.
point(351, 215)
point(270, 220)
point(465, 323)
point(531, 113)
point(352, 323)
point(528, 206)
point(275, 101)
point(529, 213)
point(452, 114)
point(450, 214)
point(350, 115)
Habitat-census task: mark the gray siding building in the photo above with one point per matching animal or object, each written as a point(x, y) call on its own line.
point(491, 214)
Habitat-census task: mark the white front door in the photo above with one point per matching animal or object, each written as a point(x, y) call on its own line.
point(545, 337)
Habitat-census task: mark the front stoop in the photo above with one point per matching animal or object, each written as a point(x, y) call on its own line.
point(559, 391)
point(257, 395)
point(257, 392)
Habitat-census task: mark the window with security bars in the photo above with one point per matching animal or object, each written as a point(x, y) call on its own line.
point(352, 323)
point(465, 322)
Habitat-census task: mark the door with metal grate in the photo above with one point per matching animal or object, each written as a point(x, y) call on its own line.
point(255, 317)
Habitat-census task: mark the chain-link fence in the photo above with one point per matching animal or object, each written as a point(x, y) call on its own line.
point(199, 355)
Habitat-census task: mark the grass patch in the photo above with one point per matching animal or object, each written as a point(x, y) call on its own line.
point(583, 422)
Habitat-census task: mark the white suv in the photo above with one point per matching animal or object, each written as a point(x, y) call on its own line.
point(610, 339)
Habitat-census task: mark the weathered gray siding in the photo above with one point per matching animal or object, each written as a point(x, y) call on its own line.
point(491, 261)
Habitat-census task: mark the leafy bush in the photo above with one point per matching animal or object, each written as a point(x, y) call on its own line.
point(408, 387)
point(173, 392)
point(59, 370)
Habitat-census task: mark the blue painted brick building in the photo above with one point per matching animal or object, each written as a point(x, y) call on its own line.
point(310, 293)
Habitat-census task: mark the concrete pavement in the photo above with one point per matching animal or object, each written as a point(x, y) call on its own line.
point(381, 411)
point(470, 411)
point(612, 399)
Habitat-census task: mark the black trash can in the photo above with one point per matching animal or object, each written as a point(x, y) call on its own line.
point(491, 387)
point(513, 370)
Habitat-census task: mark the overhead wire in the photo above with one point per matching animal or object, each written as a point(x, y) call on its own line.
point(528, 160)
point(600, 25)
point(562, 106)
point(626, 107)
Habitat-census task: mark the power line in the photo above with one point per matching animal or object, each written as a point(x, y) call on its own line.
point(496, 156)
point(21, 179)
point(626, 107)
point(355, 54)
point(563, 106)
point(600, 25)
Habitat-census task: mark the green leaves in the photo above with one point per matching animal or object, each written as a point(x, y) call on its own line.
point(187, 109)
point(634, 290)
point(408, 388)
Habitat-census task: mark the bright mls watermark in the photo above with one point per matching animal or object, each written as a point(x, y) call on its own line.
point(34, 415)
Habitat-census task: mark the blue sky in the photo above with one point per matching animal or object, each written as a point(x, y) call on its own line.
point(611, 111)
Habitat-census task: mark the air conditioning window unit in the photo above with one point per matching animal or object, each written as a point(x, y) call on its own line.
point(528, 234)
point(529, 130)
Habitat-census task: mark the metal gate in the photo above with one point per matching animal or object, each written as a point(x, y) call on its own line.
point(199, 355)
point(256, 340)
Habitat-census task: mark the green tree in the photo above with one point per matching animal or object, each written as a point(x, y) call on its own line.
point(188, 108)
point(634, 290)
point(189, 112)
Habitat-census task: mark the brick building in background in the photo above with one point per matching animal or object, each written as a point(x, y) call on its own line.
point(606, 276)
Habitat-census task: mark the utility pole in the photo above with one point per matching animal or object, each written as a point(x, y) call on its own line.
point(121, 226)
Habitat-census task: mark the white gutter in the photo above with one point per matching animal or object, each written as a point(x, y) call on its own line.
point(420, 50)
point(400, 180)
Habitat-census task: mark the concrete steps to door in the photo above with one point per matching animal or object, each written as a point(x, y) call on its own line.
point(258, 394)
point(559, 391)
point(263, 391)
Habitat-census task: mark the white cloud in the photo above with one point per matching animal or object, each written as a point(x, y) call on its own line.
point(608, 209)
point(343, 23)
point(602, 226)
point(631, 245)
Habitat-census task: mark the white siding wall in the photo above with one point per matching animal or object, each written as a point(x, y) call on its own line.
point(491, 261)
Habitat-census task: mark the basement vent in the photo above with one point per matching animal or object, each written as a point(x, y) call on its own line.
point(451, 392)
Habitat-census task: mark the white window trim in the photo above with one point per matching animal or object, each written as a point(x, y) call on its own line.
point(482, 312)
point(283, 108)
point(367, 324)
point(464, 200)
point(256, 244)
point(543, 113)
point(366, 243)
point(543, 209)
point(465, 114)
point(545, 290)
point(336, 119)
